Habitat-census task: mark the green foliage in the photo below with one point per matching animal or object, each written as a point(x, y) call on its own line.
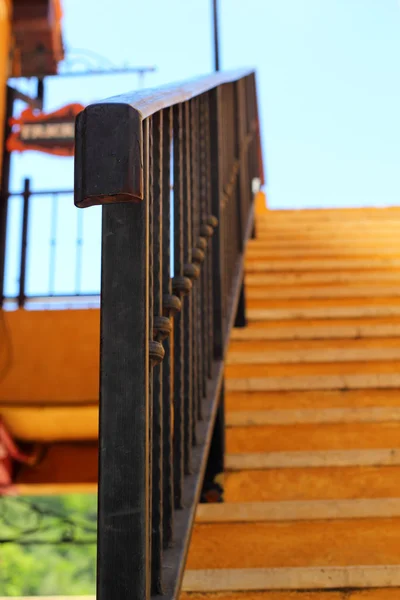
point(38, 564)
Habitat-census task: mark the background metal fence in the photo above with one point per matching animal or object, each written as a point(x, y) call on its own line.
point(52, 252)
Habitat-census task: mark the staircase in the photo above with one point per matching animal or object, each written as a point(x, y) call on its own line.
point(312, 488)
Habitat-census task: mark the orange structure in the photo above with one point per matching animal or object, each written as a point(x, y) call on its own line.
point(30, 46)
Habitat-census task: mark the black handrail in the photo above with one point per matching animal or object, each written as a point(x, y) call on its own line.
point(163, 338)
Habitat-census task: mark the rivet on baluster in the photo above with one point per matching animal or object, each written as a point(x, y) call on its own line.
point(156, 352)
point(202, 243)
point(161, 328)
point(211, 221)
point(191, 271)
point(198, 256)
point(171, 305)
point(181, 286)
point(206, 230)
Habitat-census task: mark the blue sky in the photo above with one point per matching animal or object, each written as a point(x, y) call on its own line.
point(328, 82)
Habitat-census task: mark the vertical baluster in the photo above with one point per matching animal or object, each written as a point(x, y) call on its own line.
point(212, 485)
point(123, 515)
point(208, 209)
point(245, 185)
point(160, 328)
point(253, 123)
point(180, 286)
point(197, 257)
point(189, 272)
point(260, 168)
point(218, 273)
point(202, 242)
point(169, 302)
point(247, 85)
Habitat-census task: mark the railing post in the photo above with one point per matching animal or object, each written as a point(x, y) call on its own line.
point(24, 243)
point(123, 536)
point(108, 172)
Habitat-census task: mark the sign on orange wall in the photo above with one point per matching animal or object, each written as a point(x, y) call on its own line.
point(52, 133)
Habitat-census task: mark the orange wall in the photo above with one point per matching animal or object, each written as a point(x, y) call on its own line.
point(54, 356)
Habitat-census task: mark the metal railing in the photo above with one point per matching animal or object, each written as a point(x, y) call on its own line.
point(163, 338)
point(43, 232)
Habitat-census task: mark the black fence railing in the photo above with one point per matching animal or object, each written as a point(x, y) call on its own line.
point(43, 233)
point(163, 337)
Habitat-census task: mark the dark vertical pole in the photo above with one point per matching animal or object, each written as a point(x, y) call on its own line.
point(4, 188)
point(213, 489)
point(123, 516)
point(216, 34)
point(240, 319)
point(24, 243)
point(40, 91)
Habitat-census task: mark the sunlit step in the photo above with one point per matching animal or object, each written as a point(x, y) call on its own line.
point(310, 292)
point(312, 510)
point(297, 578)
point(313, 382)
point(345, 225)
point(260, 253)
point(351, 311)
point(346, 542)
point(291, 483)
point(310, 400)
point(337, 214)
point(316, 351)
point(373, 414)
point(264, 266)
point(308, 329)
point(302, 437)
point(379, 278)
point(312, 459)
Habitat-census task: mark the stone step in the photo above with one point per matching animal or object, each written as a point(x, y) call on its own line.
point(250, 418)
point(313, 351)
point(300, 510)
point(389, 278)
point(335, 578)
point(317, 329)
point(311, 483)
point(344, 542)
point(345, 594)
point(331, 264)
point(313, 459)
point(310, 399)
point(296, 312)
point(307, 437)
point(269, 292)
